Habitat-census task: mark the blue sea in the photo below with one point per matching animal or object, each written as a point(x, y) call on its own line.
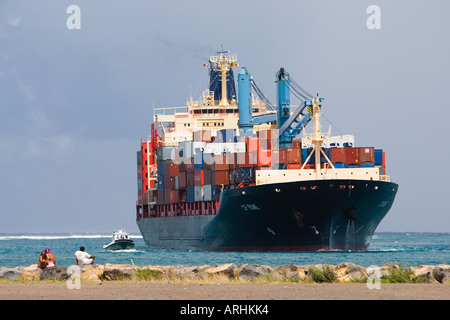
point(409, 249)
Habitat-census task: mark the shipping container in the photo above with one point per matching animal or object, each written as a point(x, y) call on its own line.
point(293, 155)
point(207, 176)
point(294, 166)
point(167, 153)
point(312, 160)
point(367, 165)
point(160, 183)
point(174, 170)
point(160, 199)
point(182, 180)
point(198, 193)
point(174, 196)
point(366, 154)
point(220, 177)
point(175, 182)
point(219, 162)
point(246, 159)
point(190, 194)
point(378, 158)
point(207, 192)
point(190, 179)
point(264, 158)
point(251, 143)
point(244, 175)
point(166, 196)
point(199, 177)
point(339, 165)
point(226, 135)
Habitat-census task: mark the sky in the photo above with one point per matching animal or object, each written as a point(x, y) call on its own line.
point(74, 103)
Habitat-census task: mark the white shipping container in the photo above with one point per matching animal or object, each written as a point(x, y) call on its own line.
point(198, 193)
point(207, 192)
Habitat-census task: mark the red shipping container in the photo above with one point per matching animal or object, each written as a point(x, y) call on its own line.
point(351, 156)
point(294, 166)
point(189, 167)
point(166, 197)
point(183, 181)
point(174, 196)
point(199, 177)
point(174, 170)
point(297, 143)
point(293, 155)
point(207, 176)
point(190, 179)
point(338, 155)
point(220, 162)
point(367, 154)
point(221, 177)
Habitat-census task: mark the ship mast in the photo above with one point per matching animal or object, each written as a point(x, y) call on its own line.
point(223, 63)
point(317, 138)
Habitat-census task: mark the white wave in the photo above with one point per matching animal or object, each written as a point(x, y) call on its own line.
point(54, 237)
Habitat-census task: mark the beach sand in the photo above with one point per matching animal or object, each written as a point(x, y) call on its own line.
point(128, 290)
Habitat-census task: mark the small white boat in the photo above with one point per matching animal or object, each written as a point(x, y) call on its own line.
point(120, 241)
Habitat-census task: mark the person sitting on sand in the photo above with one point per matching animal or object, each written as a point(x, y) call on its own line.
point(43, 260)
point(51, 258)
point(83, 258)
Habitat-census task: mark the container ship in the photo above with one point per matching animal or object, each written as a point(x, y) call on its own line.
point(234, 172)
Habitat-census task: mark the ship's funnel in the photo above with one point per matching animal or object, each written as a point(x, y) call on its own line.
point(245, 104)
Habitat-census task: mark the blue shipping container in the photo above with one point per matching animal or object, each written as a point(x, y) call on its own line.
point(226, 135)
point(306, 152)
point(190, 194)
point(378, 156)
point(244, 175)
point(161, 182)
point(339, 165)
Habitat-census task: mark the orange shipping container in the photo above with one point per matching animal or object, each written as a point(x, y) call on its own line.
point(251, 144)
point(221, 177)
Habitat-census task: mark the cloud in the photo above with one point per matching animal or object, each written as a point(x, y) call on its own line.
point(14, 21)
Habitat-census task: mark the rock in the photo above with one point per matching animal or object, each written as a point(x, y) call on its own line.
point(10, 273)
point(197, 272)
point(424, 273)
point(92, 272)
point(31, 273)
point(118, 271)
point(347, 272)
point(56, 273)
point(289, 271)
point(253, 271)
point(442, 273)
point(228, 269)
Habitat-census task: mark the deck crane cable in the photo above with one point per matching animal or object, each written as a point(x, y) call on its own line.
point(300, 88)
point(261, 95)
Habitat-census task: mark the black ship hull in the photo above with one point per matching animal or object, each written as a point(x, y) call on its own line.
point(293, 216)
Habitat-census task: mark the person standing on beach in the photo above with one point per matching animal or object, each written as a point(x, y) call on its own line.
point(83, 258)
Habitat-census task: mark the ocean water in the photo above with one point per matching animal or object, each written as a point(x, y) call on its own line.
point(410, 248)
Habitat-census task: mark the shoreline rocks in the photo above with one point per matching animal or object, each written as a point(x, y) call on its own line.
point(342, 273)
